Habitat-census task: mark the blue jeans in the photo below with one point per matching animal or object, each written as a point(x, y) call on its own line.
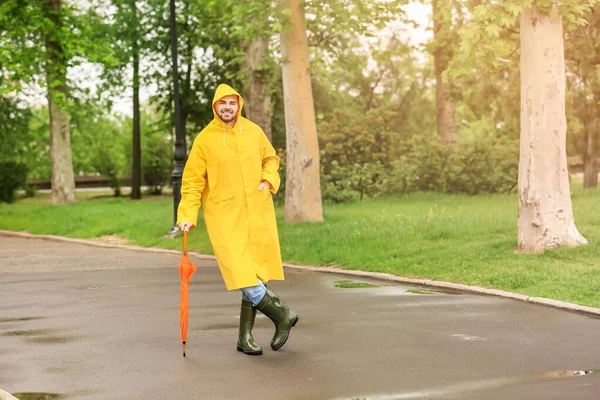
point(254, 294)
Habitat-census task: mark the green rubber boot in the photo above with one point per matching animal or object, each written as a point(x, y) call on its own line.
point(246, 342)
point(281, 315)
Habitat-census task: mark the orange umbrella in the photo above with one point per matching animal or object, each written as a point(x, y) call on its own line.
point(186, 270)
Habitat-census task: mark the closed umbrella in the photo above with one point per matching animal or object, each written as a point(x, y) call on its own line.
point(186, 270)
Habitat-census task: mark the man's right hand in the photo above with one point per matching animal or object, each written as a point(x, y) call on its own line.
point(185, 226)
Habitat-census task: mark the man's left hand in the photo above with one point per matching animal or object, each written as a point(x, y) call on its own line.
point(265, 185)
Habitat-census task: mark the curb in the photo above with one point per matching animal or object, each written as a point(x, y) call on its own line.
point(6, 396)
point(88, 242)
point(563, 305)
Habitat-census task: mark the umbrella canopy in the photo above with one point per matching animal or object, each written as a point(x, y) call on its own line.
point(186, 270)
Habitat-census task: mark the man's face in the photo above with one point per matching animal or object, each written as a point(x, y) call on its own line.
point(227, 108)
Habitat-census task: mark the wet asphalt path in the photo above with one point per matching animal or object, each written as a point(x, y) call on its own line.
point(96, 323)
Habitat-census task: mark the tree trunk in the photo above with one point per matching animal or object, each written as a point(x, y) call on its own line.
point(446, 109)
point(63, 180)
point(258, 98)
point(590, 162)
point(545, 211)
point(303, 190)
point(136, 167)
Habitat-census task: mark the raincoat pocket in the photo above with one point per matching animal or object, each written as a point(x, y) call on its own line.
point(221, 196)
point(218, 203)
point(268, 201)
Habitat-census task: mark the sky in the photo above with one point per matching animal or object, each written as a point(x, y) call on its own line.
point(87, 75)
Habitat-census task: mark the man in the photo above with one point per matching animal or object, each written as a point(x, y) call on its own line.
point(232, 168)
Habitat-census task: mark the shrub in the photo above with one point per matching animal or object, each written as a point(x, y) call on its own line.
point(12, 176)
point(421, 167)
point(485, 165)
point(356, 155)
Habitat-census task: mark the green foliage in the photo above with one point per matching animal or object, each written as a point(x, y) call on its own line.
point(104, 146)
point(157, 163)
point(355, 153)
point(360, 157)
point(582, 55)
point(28, 25)
point(482, 37)
point(485, 165)
point(12, 176)
point(353, 182)
point(422, 167)
point(24, 137)
point(109, 160)
point(14, 133)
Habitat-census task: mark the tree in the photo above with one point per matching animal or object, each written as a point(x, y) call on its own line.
point(258, 70)
point(40, 40)
point(545, 209)
point(208, 54)
point(444, 43)
point(545, 217)
point(63, 180)
point(258, 92)
point(303, 190)
point(128, 33)
point(583, 58)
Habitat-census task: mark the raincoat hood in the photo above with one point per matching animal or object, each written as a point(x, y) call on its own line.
point(222, 91)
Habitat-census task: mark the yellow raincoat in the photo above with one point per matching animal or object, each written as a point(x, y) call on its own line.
point(225, 168)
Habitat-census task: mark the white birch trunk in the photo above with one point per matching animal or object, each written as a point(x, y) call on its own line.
point(545, 210)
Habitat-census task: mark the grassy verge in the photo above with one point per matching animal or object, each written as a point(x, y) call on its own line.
point(461, 239)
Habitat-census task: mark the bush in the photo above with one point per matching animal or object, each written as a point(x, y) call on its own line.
point(12, 176)
point(485, 165)
point(346, 183)
point(360, 157)
point(356, 155)
point(421, 167)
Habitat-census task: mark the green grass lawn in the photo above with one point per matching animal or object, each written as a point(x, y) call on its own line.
point(461, 239)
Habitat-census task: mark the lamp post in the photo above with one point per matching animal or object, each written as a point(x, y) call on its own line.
point(180, 148)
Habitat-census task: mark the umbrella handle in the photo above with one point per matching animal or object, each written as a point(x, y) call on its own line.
point(185, 238)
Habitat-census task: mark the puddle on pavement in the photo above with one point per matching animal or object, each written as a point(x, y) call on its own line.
point(41, 336)
point(37, 396)
point(2, 320)
point(416, 291)
point(348, 284)
point(391, 288)
point(473, 386)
